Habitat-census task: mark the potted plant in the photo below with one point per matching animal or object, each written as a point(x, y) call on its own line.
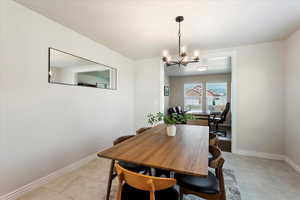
point(170, 121)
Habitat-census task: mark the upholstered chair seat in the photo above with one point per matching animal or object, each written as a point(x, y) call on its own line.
point(209, 185)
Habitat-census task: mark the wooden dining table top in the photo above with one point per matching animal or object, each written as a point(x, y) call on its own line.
point(185, 153)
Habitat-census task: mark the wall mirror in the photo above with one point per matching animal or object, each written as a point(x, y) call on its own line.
point(68, 69)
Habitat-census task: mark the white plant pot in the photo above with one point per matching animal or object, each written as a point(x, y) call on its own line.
point(171, 130)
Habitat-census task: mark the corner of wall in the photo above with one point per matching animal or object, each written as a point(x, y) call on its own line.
point(292, 164)
point(148, 89)
point(2, 64)
point(291, 47)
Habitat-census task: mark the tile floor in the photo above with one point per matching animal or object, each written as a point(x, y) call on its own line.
point(258, 179)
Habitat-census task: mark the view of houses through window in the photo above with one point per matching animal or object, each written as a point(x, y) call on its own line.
point(216, 96)
point(193, 93)
point(213, 100)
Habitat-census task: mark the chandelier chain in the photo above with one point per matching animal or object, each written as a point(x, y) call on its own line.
point(179, 41)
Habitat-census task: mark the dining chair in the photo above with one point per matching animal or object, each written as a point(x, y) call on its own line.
point(211, 187)
point(130, 166)
point(213, 140)
point(135, 186)
point(141, 130)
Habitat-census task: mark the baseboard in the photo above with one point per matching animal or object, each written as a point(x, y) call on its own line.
point(260, 155)
point(292, 164)
point(42, 181)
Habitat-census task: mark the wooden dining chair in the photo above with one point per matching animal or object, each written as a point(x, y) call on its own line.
point(213, 140)
point(135, 186)
point(141, 130)
point(130, 166)
point(211, 187)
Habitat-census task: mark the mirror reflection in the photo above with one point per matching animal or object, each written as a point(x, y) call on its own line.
point(65, 68)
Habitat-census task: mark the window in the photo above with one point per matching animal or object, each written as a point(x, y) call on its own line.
point(216, 96)
point(193, 93)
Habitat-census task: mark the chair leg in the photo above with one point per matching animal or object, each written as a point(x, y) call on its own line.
point(180, 194)
point(110, 178)
point(225, 133)
point(159, 172)
point(149, 171)
point(223, 196)
point(217, 127)
point(219, 132)
point(213, 127)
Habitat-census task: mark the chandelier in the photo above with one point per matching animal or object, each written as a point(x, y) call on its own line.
point(182, 59)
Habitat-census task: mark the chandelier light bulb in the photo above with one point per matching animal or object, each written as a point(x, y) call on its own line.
point(196, 53)
point(183, 49)
point(165, 53)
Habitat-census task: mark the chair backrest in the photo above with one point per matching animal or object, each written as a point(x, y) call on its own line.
point(142, 182)
point(213, 140)
point(217, 160)
point(225, 112)
point(178, 109)
point(122, 139)
point(171, 111)
point(217, 163)
point(199, 122)
point(141, 130)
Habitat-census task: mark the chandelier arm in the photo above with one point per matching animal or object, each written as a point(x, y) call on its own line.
point(192, 61)
point(171, 64)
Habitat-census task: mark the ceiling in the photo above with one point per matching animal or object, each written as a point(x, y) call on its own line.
point(142, 29)
point(212, 65)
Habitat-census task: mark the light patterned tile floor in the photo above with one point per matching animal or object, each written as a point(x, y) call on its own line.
point(258, 179)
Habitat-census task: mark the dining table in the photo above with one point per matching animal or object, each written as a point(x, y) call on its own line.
point(185, 153)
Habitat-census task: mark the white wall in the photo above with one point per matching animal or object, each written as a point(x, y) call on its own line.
point(45, 126)
point(292, 97)
point(260, 98)
point(2, 15)
point(148, 89)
